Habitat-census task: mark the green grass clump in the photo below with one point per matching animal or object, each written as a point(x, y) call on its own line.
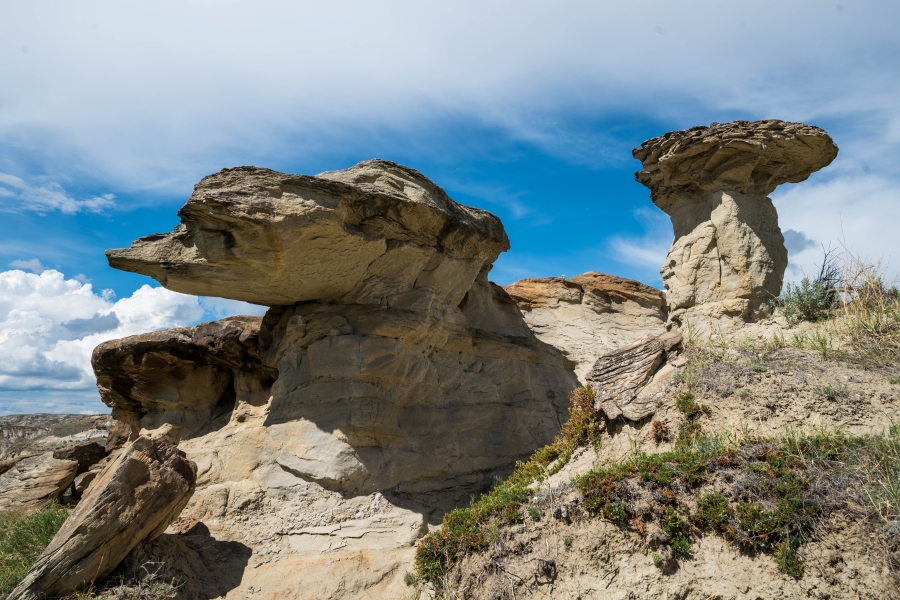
point(832, 392)
point(23, 538)
point(688, 406)
point(894, 380)
point(677, 530)
point(469, 529)
point(712, 511)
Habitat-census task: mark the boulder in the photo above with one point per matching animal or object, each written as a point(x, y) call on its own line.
point(30, 482)
point(134, 499)
point(590, 314)
point(728, 258)
point(619, 377)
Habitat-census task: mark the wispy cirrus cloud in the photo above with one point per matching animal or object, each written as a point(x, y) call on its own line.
point(16, 193)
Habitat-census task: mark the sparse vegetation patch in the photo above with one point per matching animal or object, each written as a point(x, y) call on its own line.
point(469, 529)
point(23, 538)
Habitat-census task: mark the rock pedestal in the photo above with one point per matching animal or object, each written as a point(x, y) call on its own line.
point(388, 381)
point(728, 258)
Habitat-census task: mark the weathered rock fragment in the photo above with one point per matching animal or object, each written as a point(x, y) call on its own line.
point(728, 258)
point(87, 455)
point(619, 376)
point(134, 499)
point(31, 482)
point(590, 314)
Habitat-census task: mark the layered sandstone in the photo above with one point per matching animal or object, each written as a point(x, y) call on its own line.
point(388, 381)
point(31, 482)
point(365, 235)
point(728, 258)
point(589, 315)
point(622, 378)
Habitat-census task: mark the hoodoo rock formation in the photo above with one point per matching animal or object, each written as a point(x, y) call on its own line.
point(388, 381)
point(728, 258)
point(590, 314)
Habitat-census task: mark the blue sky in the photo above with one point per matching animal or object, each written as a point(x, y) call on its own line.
point(111, 111)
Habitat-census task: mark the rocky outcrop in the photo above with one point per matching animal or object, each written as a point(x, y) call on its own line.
point(22, 436)
point(365, 235)
point(31, 482)
point(388, 381)
point(589, 315)
point(133, 499)
point(620, 378)
point(172, 383)
point(86, 455)
point(728, 258)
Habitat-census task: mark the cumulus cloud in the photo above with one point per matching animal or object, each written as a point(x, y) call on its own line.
point(48, 197)
point(50, 325)
point(796, 241)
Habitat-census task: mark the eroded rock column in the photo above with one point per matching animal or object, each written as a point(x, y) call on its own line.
point(728, 257)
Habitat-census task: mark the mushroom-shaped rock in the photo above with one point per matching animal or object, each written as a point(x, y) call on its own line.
point(728, 258)
point(590, 314)
point(364, 235)
point(134, 499)
point(388, 382)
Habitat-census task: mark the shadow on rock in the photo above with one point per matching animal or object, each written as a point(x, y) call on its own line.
point(201, 565)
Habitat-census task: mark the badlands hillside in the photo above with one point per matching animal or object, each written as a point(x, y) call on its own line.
point(398, 426)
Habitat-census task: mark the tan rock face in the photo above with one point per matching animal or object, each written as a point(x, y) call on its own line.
point(728, 258)
point(364, 235)
point(590, 314)
point(388, 382)
point(31, 482)
point(134, 499)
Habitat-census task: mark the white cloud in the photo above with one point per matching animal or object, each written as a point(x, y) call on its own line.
point(860, 211)
point(33, 265)
point(50, 325)
point(155, 95)
point(48, 197)
point(647, 251)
